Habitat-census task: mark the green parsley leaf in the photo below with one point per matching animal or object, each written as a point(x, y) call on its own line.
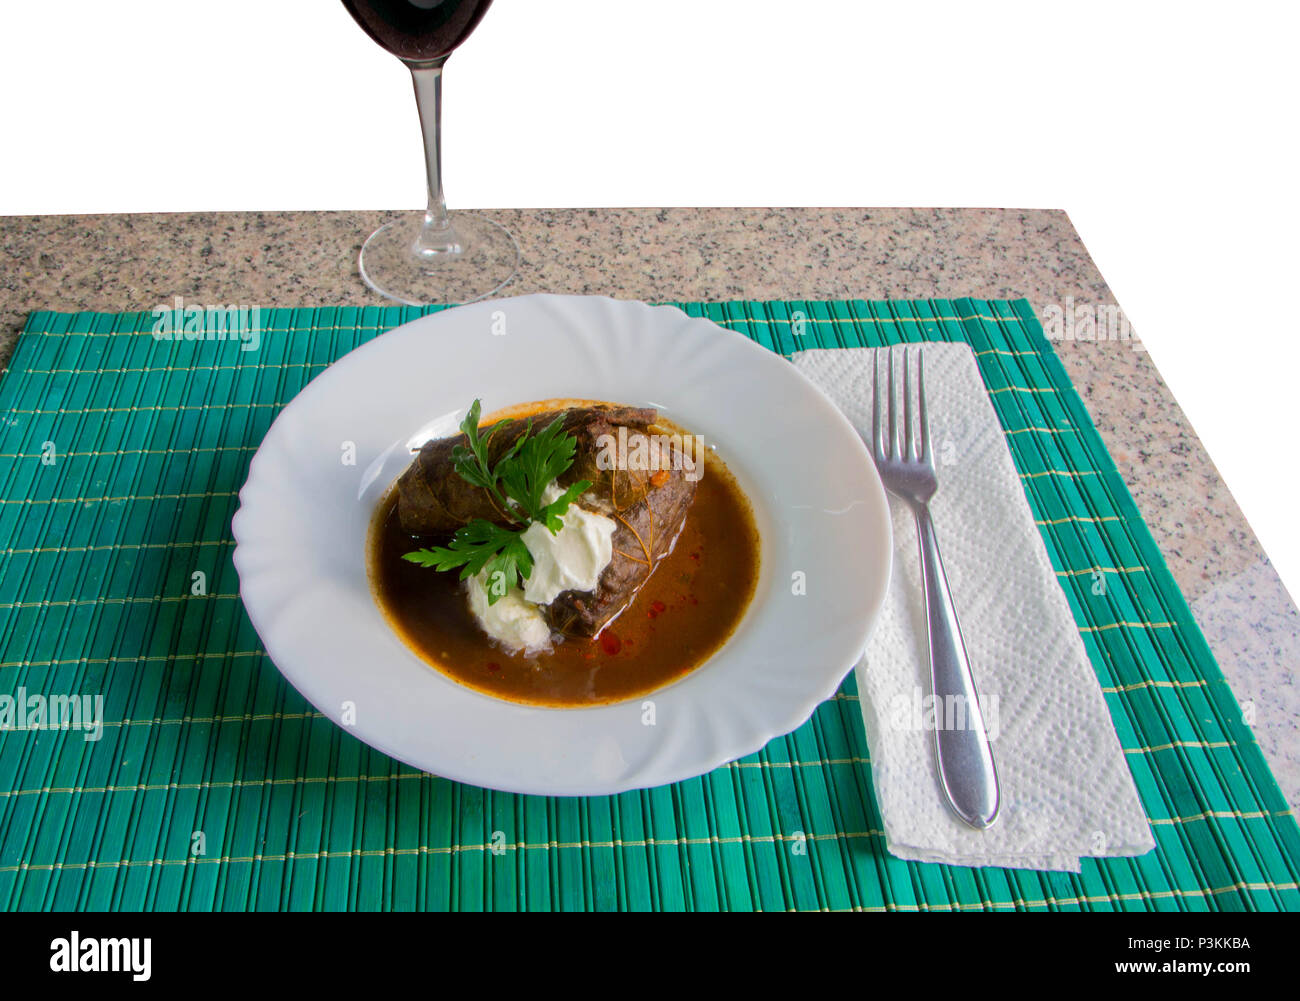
point(539, 459)
point(551, 514)
point(472, 461)
point(510, 566)
point(516, 482)
point(476, 546)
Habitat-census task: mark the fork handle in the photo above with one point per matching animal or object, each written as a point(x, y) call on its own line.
point(966, 769)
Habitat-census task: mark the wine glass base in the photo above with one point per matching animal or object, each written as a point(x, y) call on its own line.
point(389, 266)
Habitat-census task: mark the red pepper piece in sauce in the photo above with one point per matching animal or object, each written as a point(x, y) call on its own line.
point(610, 643)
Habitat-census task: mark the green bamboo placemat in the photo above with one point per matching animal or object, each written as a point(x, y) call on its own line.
point(214, 785)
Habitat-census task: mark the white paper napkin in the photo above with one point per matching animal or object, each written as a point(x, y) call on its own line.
point(1066, 788)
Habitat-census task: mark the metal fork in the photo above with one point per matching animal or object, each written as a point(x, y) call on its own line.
point(966, 770)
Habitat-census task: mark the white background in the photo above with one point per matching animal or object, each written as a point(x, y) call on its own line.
point(1167, 130)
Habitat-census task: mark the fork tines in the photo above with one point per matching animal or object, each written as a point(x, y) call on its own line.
point(908, 448)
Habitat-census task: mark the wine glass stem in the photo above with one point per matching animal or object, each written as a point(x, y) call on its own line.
point(438, 238)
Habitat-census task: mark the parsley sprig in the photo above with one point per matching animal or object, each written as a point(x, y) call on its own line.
point(516, 482)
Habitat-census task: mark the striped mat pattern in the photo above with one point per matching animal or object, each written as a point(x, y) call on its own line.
point(214, 785)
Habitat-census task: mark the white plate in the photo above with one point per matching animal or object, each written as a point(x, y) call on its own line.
point(301, 527)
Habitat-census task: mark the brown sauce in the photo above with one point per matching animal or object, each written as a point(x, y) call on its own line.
point(680, 617)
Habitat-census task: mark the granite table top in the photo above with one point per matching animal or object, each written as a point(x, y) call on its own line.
point(134, 262)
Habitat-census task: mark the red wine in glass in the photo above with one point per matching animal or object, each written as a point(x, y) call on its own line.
point(437, 256)
point(418, 30)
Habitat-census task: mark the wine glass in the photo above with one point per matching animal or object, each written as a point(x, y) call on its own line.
point(435, 256)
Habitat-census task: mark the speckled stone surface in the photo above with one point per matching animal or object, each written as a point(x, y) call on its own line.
point(1256, 634)
point(127, 262)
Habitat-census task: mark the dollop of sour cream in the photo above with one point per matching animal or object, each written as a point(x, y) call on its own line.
point(573, 558)
point(513, 622)
point(570, 560)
